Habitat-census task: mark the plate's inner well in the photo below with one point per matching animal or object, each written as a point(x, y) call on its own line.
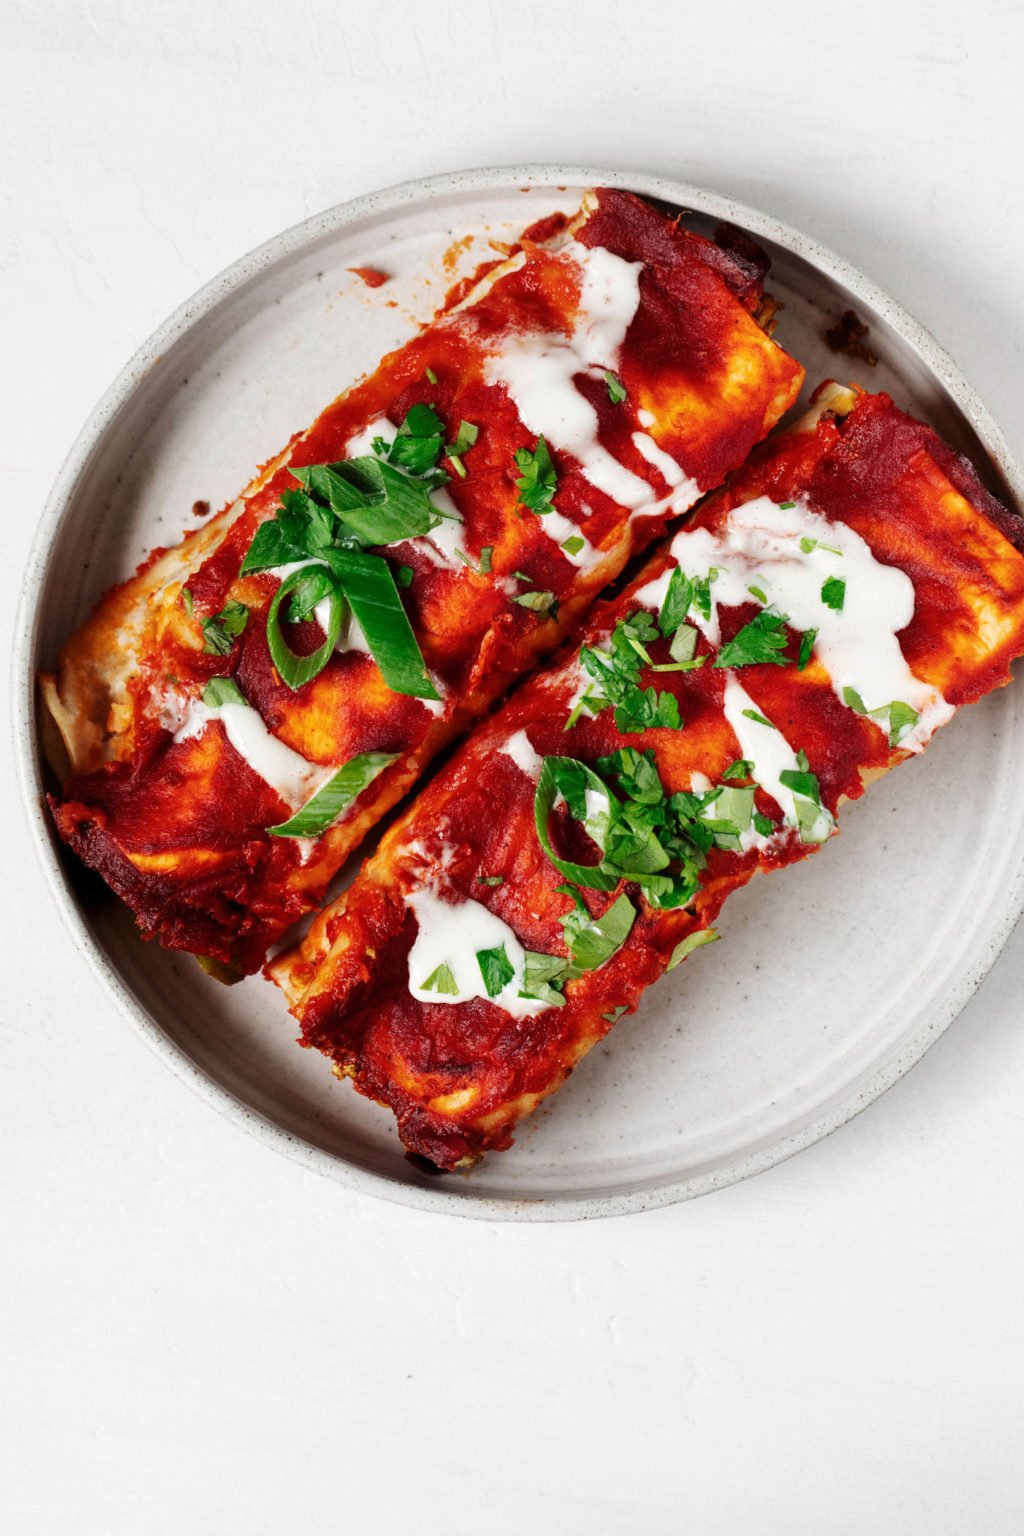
point(825, 974)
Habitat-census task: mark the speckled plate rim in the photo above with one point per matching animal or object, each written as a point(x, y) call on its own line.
point(192, 313)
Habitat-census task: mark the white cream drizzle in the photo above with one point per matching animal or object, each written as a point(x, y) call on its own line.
point(760, 546)
point(453, 934)
point(539, 373)
point(771, 755)
point(288, 773)
point(520, 749)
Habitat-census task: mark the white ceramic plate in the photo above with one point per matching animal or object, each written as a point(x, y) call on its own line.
point(832, 978)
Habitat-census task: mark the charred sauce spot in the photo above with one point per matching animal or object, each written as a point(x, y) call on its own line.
point(371, 276)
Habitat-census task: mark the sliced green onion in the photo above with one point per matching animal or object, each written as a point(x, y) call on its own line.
point(295, 670)
point(331, 798)
point(558, 775)
point(689, 944)
point(369, 587)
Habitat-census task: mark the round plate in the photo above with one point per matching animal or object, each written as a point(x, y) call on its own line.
point(832, 979)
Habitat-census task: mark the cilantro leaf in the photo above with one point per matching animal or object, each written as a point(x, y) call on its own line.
point(757, 643)
point(801, 783)
point(543, 978)
point(901, 720)
point(616, 388)
point(540, 602)
point(538, 479)
point(742, 768)
point(464, 439)
point(441, 980)
point(807, 640)
point(592, 941)
point(689, 944)
point(833, 593)
point(222, 630)
point(676, 603)
point(496, 969)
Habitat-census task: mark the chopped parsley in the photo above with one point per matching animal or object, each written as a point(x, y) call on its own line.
point(543, 978)
point(496, 969)
point(223, 629)
point(540, 602)
point(807, 640)
point(833, 593)
point(328, 525)
point(676, 602)
point(742, 768)
point(896, 719)
point(538, 479)
point(758, 643)
point(441, 980)
point(616, 388)
point(464, 440)
point(808, 545)
point(616, 672)
point(658, 841)
point(573, 544)
point(753, 714)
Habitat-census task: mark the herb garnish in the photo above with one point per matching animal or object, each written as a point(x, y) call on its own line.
point(464, 440)
point(221, 631)
point(617, 671)
point(896, 719)
point(807, 640)
point(441, 980)
point(538, 479)
point(689, 944)
point(833, 593)
point(327, 524)
point(331, 798)
point(496, 969)
point(616, 389)
point(758, 643)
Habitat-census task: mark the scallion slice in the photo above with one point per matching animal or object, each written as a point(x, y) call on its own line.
point(331, 798)
point(298, 670)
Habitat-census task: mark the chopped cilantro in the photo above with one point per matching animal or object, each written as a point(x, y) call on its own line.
point(431, 376)
point(901, 720)
point(676, 603)
point(441, 980)
point(617, 673)
point(540, 602)
point(496, 969)
point(833, 593)
point(573, 544)
point(543, 978)
point(464, 440)
point(759, 593)
point(490, 879)
point(786, 505)
point(752, 714)
point(689, 944)
point(763, 824)
point(757, 643)
point(807, 640)
point(538, 478)
point(808, 545)
point(222, 630)
point(854, 701)
point(616, 388)
point(742, 768)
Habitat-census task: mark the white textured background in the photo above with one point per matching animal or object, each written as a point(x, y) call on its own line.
point(200, 1338)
